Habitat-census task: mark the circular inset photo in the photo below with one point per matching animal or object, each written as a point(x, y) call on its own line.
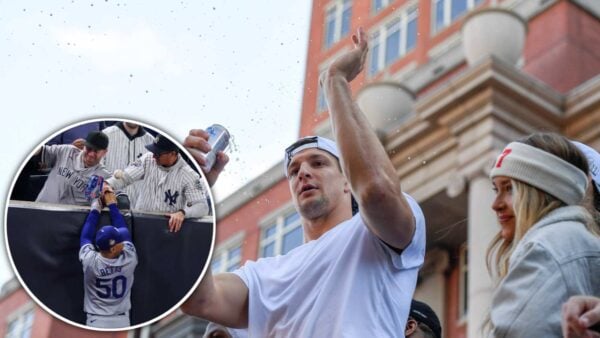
point(110, 224)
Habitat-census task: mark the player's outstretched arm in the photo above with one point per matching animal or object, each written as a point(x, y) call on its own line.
point(197, 144)
point(365, 162)
point(222, 299)
point(87, 231)
point(132, 173)
point(115, 214)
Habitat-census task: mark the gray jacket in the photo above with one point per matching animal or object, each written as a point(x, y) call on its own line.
point(557, 258)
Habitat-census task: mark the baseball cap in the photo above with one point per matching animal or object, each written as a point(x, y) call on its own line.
point(161, 145)
point(593, 158)
point(422, 313)
point(307, 143)
point(96, 140)
point(108, 236)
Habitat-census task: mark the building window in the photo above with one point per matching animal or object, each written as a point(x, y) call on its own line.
point(228, 257)
point(281, 236)
point(393, 40)
point(321, 101)
point(463, 281)
point(337, 21)
point(378, 5)
point(20, 326)
point(447, 11)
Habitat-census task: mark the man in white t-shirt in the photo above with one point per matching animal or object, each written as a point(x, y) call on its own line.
point(356, 274)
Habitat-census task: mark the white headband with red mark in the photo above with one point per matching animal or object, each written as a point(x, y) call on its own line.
point(542, 170)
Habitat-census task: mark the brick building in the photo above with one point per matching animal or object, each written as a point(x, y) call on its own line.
point(22, 318)
point(459, 116)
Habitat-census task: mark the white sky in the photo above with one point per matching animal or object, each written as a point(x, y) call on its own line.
point(176, 65)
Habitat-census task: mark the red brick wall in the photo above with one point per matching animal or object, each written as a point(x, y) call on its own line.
point(563, 46)
point(45, 325)
point(248, 216)
point(9, 304)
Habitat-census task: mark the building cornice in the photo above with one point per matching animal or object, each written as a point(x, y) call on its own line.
point(457, 129)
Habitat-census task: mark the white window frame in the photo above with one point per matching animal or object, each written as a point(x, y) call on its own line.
point(463, 292)
point(338, 7)
point(281, 229)
point(447, 20)
point(223, 252)
point(19, 316)
point(381, 33)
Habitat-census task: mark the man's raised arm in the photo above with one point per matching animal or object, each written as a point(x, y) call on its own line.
point(365, 162)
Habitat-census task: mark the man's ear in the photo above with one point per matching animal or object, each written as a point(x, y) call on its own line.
point(347, 187)
point(411, 327)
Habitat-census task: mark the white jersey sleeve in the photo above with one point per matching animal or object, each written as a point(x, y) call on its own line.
point(195, 196)
point(134, 172)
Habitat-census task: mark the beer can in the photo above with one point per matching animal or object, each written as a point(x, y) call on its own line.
point(219, 140)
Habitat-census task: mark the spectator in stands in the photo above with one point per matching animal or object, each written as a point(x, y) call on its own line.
point(71, 168)
point(127, 141)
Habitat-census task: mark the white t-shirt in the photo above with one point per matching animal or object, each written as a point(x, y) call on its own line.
point(347, 283)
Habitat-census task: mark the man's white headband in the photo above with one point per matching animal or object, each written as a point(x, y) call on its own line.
point(309, 142)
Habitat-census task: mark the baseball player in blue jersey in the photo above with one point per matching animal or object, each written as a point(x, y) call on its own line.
point(108, 272)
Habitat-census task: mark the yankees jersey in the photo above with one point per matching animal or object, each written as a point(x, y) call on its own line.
point(107, 281)
point(165, 189)
point(124, 149)
point(68, 178)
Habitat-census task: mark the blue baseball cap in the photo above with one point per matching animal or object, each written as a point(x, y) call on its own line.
point(307, 143)
point(108, 236)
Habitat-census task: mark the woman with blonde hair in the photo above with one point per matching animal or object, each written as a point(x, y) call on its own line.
point(547, 249)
